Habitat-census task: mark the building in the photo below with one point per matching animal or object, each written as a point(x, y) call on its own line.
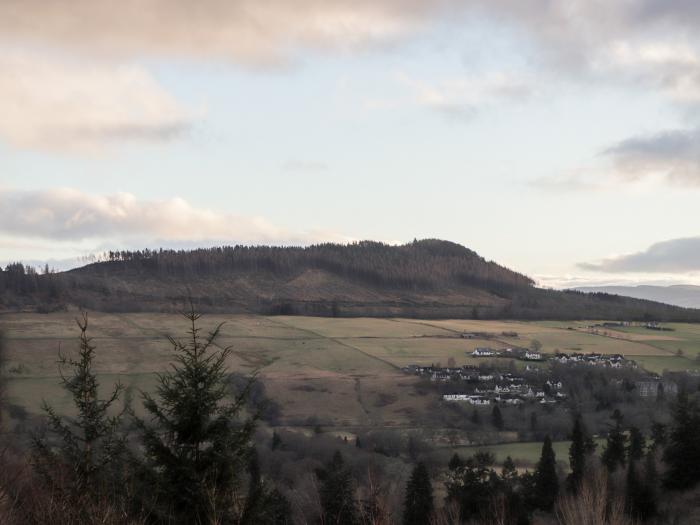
point(533, 356)
point(483, 352)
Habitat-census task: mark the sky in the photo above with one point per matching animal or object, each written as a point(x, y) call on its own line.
point(558, 138)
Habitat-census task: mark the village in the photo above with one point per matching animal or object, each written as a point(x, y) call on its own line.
point(486, 384)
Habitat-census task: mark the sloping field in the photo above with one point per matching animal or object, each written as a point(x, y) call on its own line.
point(336, 372)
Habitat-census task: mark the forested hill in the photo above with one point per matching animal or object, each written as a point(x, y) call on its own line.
point(428, 278)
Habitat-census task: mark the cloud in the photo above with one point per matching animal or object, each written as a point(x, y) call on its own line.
point(672, 154)
point(672, 256)
point(243, 31)
point(58, 105)
point(71, 215)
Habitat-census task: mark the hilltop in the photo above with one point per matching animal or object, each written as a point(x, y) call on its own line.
point(426, 278)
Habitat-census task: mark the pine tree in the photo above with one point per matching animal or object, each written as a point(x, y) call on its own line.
point(89, 445)
point(418, 505)
point(615, 449)
point(336, 492)
point(196, 444)
point(546, 480)
point(682, 454)
point(497, 418)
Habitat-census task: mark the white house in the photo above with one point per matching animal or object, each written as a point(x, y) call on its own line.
point(455, 397)
point(532, 356)
point(479, 400)
point(483, 352)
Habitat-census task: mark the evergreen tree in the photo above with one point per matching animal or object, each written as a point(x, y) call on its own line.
point(635, 449)
point(475, 417)
point(455, 462)
point(578, 452)
point(470, 486)
point(497, 418)
point(546, 480)
point(87, 447)
point(418, 505)
point(509, 474)
point(640, 495)
point(682, 455)
point(533, 421)
point(262, 505)
point(276, 441)
point(336, 492)
point(196, 444)
point(658, 435)
point(615, 449)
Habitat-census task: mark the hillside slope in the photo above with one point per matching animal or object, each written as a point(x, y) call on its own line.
point(428, 278)
point(685, 295)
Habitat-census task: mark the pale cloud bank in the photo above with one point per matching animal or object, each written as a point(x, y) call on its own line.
point(672, 256)
point(70, 106)
point(68, 215)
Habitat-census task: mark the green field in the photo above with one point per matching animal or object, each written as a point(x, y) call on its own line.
point(343, 373)
point(527, 453)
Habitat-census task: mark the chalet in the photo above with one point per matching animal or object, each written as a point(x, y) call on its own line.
point(483, 352)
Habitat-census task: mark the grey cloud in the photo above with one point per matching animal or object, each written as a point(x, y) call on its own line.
point(674, 154)
point(676, 255)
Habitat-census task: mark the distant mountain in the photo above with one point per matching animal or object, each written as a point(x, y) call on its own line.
point(685, 295)
point(427, 278)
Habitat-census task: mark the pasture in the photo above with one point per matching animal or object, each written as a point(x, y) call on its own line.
point(340, 373)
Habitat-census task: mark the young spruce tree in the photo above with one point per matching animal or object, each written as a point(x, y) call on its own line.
point(78, 454)
point(197, 443)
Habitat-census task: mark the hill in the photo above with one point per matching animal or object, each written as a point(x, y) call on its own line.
point(685, 295)
point(428, 278)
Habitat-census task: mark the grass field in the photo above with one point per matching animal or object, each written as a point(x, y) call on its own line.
point(527, 453)
point(341, 372)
